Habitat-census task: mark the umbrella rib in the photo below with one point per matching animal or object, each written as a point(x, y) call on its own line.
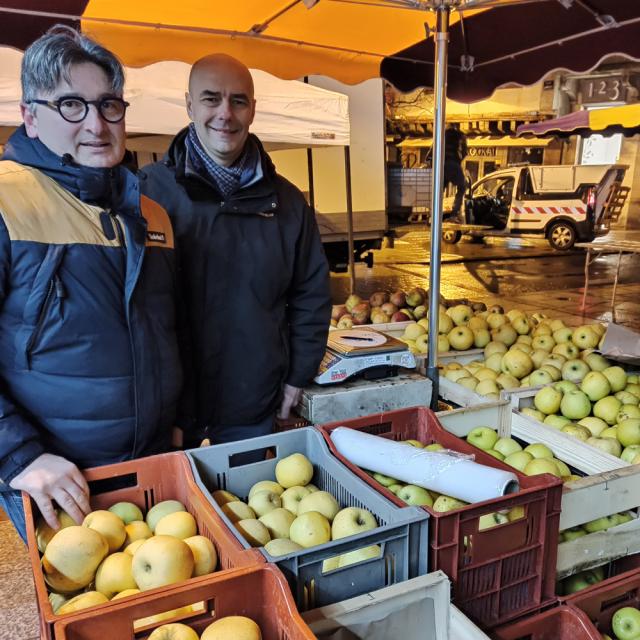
point(558, 42)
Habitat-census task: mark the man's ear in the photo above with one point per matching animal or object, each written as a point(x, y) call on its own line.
point(30, 120)
point(188, 101)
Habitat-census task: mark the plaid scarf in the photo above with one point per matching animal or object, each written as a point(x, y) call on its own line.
point(227, 179)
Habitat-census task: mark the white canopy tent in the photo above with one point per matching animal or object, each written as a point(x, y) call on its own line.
point(288, 113)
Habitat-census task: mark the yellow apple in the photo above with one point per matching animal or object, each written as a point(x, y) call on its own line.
point(126, 511)
point(264, 501)
point(278, 522)
point(254, 532)
point(162, 509)
point(294, 470)
point(292, 496)
point(350, 521)
point(57, 600)
point(162, 560)
point(322, 502)
point(173, 631)
point(359, 555)
point(310, 529)
point(204, 553)
point(114, 574)
point(330, 564)
point(159, 617)
point(311, 487)
point(82, 601)
point(281, 547)
point(134, 546)
point(72, 557)
point(221, 497)
point(126, 593)
point(238, 510)
point(265, 485)
point(180, 524)
point(232, 628)
point(109, 525)
point(44, 532)
point(136, 530)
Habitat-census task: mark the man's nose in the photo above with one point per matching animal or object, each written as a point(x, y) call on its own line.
point(94, 121)
point(224, 109)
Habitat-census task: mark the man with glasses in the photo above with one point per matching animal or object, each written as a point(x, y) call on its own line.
point(89, 366)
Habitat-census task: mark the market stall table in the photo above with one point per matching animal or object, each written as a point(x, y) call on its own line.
point(593, 251)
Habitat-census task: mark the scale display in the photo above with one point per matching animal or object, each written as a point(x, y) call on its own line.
point(354, 351)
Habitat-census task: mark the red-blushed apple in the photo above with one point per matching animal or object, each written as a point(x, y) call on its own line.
point(389, 308)
point(345, 322)
point(352, 301)
point(337, 311)
point(360, 313)
point(398, 298)
point(378, 298)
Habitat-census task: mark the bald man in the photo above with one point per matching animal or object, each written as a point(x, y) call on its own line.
point(253, 273)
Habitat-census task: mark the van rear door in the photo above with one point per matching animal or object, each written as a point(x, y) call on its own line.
point(610, 197)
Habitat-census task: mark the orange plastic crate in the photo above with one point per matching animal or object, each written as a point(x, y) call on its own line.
point(145, 482)
point(497, 574)
point(562, 623)
point(260, 593)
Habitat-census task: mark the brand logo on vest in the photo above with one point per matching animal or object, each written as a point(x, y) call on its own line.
point(156, 236)
point(266, 214)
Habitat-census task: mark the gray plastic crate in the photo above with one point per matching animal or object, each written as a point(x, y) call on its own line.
point(402, 532)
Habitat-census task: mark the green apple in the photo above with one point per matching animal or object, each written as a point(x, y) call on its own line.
point(566, 350)
point(573, 534)
point(627, 398)
point(414, 443)
point(496, 454)
point(617, 378)
point(443, 344)
point(482, 437)
point(435, 446)
point(601, 524)
point(556, 360)
point(629, 432)
point(394, 488)
point(628, 411)
point(476, 323)
point(525, 382)
point(544, 342)
point(539, 377)
point(574, 370)
point(556, 422)
point(608, 445)
point(507, 446)
point(533, 413)
point(585, 337)
point(539, 450)
point(126, 511)
point(541, 465)
point(576, 431)
point(625, 517)
point(455, 374)
point(595, 425)
point(547, 400)
point(538, 356)
point(630, 453)
point(595, 385)
point(575, 405)
point(596, 362)
point(496, 320)
point(517, 363)
point(349, 522)
point(575, 583)
point(524, 339)
point(564, 470)
point(417, 496)
point(610, 432)
point(633, 378)
point(385, 481)
point(607, 408)
point(566, 385)
point(162, 509)
point(494, 347)
point(562, 335)
point(491, 520)
point(518, 460)
point(542, 330)
point(633, 388)
point(552, 370)
point(442, 504)
point(626, 623)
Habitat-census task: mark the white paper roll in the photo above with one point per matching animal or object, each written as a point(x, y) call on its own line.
point(451, 474)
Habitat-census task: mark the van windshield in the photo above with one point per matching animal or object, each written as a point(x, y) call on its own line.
point(500, 187)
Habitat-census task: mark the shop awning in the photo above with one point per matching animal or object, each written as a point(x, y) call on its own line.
point(482, 141)
point(624, 119)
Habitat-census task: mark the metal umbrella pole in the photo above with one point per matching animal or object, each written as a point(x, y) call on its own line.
point(441, 40)
point(350, 241)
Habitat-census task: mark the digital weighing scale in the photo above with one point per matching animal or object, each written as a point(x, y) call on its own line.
point(362, 351)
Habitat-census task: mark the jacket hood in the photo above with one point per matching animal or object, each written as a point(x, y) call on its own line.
point(114, 187)
point(176, 155)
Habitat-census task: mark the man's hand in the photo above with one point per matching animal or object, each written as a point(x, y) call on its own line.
point(290, 398)
point(49, 478)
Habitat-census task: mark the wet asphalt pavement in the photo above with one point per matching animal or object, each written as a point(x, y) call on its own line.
point(517, 272)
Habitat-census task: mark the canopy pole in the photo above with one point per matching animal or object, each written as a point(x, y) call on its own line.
point(312, 191)
point(441, 41)
point(351, 247)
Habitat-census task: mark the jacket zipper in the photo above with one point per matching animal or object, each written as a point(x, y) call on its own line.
point(55, 285)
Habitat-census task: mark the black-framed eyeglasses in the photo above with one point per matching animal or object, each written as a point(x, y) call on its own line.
point(75, 108)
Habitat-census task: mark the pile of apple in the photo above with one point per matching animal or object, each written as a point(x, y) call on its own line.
point(579, 581)
point(290, 514)
point(436, 502)
point(227, 628)
point(534, 459)
point(523, 351)
point(599, 407)
point(599, 524)
point(118, 552)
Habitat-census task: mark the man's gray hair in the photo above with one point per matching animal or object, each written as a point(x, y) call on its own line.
point(49, 60)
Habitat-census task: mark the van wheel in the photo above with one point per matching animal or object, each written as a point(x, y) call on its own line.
point(451, 237)
point(562, 236)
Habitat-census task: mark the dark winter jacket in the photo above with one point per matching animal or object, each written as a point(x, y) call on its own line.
point(89, 364)
point(256, 286)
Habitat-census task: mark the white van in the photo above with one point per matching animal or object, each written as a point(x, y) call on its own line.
point(563, 203)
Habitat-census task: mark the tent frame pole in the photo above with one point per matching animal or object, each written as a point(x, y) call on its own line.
point(441, 41)
point(350, 242)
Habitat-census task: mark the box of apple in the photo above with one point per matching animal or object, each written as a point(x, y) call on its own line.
point(119, 551)
point(520, 350)
point(302, 509)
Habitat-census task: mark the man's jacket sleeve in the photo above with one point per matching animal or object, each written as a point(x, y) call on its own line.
point(308, 305)
point(19, 439)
